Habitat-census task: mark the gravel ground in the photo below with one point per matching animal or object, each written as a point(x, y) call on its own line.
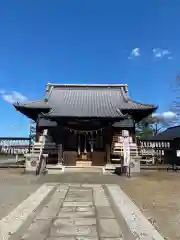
point(157, 194)
point(14, 188)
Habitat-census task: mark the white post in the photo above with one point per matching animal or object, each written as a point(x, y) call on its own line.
point(126, 149)
point(16, 158)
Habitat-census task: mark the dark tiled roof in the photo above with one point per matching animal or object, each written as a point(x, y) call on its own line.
point(85, 102)
point(91, 101)
point(34, 104)
point(88, 101)
point(125, 123)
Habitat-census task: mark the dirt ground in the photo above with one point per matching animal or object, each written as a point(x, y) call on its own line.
point(157, 194)
point(14, 188)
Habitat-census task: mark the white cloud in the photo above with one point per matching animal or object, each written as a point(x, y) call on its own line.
point(165, 115)
point(160, 53)
point(134, 53)
point(170, 58)
point(12, 97)
point(169, 115)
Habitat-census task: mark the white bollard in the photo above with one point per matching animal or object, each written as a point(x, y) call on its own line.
point(16, 158)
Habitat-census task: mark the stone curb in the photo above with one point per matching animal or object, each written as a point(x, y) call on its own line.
point(138, 224)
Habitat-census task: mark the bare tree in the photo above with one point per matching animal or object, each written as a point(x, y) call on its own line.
point(175, 105)
point(154, 124)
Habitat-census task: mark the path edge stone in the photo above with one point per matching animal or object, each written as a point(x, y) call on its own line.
point(137, 223)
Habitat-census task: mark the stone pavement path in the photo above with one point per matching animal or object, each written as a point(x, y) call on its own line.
point(74, 212)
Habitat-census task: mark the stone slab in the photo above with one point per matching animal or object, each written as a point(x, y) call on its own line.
point(51, 209)
point(77, 204)
point(100, 198)
point(68, 209)
point(15, 219)
point(105, 212)
point(84, 221)
point(77, 212)
point(76, 238)
point(85, 209)
point(62, 191)
point(38, 230)
point(109, 228)
point(121, 238)
point(87, 238)
point(79, 196)
point(61, 238)
point(75, 221)
point(138, 224)
point(86, 185)
point(72, 230)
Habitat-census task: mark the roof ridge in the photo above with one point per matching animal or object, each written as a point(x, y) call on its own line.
point(145, 104)
point(173, 127)
point(86, 85)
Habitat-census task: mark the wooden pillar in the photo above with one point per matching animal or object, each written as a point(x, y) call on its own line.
point(38, 132)
point(134, 131)
point(108, 141)
point(60, 154)
point(108, 160)
point(59, 141)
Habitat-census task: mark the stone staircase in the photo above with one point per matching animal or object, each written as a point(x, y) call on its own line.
point(117, 146)
point(83, 164)
point(44, 147)
point(48, 146)
point(84, 160)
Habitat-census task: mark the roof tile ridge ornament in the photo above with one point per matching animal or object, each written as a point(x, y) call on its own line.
point(124, 92)
point(51, 111)
point(16, 104)
point(48, 91)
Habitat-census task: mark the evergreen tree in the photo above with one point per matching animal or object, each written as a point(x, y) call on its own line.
point(144, 128)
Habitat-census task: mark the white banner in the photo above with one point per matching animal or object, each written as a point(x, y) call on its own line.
point(126, 151)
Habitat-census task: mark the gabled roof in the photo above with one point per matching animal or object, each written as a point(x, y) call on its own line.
point(93, 100)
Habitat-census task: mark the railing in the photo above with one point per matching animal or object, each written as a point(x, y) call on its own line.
point(155, 144)
point(153, 149)
point(118, 149)
point(14, 147)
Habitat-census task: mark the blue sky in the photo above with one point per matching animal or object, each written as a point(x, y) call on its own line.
point(86, 41)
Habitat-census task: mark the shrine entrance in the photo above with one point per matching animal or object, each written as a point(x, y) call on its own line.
point(84, 148)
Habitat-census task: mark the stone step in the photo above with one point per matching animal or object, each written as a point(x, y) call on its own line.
point(83, 163)
point(54, 169)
